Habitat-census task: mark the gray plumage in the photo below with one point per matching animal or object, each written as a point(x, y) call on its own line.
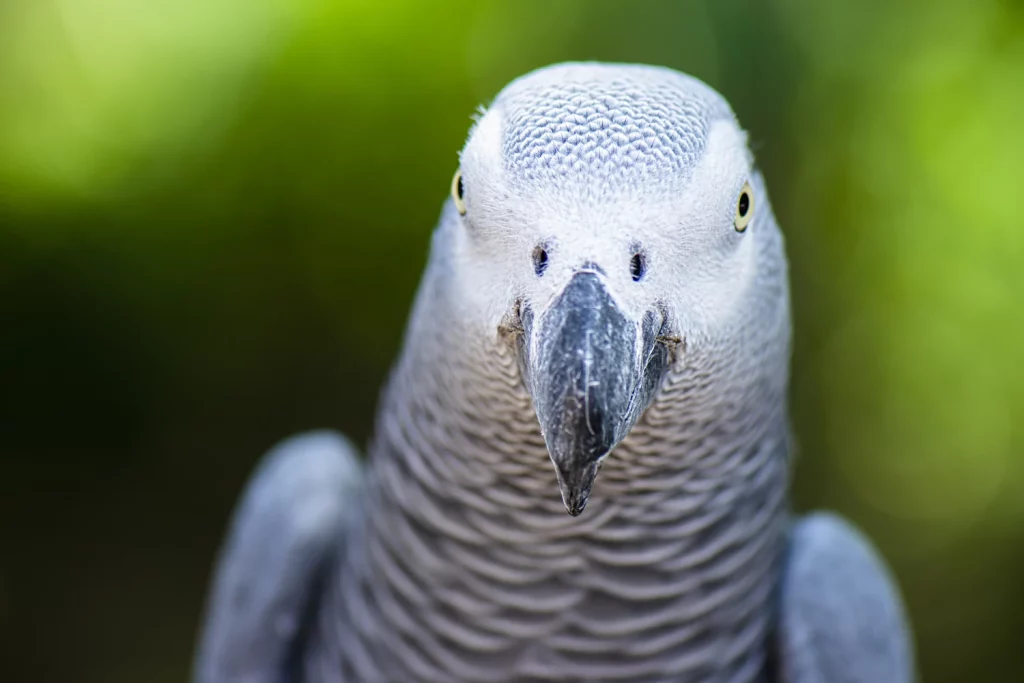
point(273, 564)
point(593, 286)
point(840, 619)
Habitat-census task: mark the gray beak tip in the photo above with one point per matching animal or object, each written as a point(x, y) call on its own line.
point(575, 485)
point(575, 510)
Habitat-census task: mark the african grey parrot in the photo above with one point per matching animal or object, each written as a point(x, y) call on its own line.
point(606, 290)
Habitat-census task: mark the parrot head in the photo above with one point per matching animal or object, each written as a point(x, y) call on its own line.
point(608, 224)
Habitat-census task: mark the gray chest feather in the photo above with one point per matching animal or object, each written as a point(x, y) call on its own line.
point(464, 551)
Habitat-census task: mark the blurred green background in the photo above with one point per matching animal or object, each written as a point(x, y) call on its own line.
point(214, 213)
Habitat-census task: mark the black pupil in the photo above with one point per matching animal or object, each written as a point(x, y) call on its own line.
point(744, 204)
point(458, 188)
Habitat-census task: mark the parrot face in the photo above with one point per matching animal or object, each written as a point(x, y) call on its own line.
point(610, 231)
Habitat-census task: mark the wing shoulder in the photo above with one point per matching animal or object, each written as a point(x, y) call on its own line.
point(284, 530)
point(841, 619)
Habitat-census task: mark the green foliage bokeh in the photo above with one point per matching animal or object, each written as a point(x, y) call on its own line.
point(213, 216)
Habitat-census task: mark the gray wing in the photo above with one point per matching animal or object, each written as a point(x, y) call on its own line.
point(841, 618)
point(284, 532)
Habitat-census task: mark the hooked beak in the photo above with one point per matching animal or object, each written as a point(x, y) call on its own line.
point(591, 371)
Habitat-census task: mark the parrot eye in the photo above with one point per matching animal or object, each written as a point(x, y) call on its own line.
point(744, 208)
point(459, 193)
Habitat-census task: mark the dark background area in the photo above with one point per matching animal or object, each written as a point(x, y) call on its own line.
point(213, 217)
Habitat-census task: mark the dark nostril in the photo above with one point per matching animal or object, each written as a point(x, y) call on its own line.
point(540, 260)
point(637, 266)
